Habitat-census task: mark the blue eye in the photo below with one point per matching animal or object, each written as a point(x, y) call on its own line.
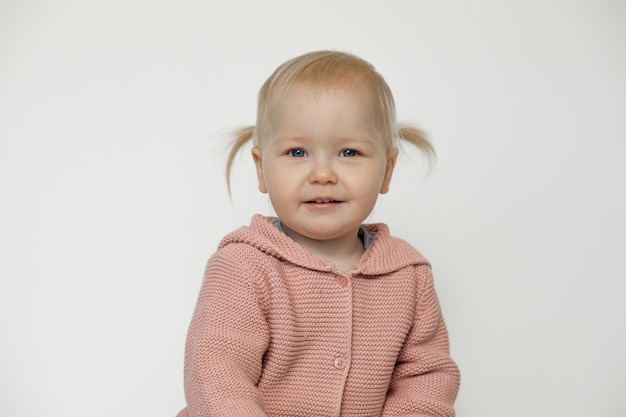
point(348, 153)
point(297, 153)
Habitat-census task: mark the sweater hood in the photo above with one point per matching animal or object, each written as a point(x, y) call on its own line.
point(384, 255)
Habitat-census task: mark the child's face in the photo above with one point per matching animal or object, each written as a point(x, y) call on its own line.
point(325, 163)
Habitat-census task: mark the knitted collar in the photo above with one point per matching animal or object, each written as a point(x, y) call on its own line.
point(384, 255)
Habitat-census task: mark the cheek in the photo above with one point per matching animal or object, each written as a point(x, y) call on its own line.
point(281, 182)
point(274, 175)
point(379, 182)
point(366, 181)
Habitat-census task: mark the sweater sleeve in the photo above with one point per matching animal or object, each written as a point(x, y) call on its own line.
point(226, 341)
point(425, 380)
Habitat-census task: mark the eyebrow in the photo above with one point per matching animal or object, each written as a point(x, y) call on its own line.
point(346, 140)
point(365, 140)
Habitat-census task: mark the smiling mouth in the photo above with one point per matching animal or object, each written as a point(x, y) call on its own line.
point(319, 201)
point(323, 201)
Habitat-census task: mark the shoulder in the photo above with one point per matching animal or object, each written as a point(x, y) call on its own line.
point(252, 251)
point(248, 245)
point(241, 259)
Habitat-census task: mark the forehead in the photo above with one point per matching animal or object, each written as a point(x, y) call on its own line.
point(346, 105)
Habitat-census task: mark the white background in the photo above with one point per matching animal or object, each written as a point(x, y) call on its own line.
point(114, 121)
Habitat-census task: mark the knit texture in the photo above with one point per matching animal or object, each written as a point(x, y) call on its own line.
point(279, 332)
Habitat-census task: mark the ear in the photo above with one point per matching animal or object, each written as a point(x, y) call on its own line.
point(391, 163)
point(258, 162)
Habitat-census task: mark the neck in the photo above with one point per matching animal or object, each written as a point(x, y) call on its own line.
point(343, 252)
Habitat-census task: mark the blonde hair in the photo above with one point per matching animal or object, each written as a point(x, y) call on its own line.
point(327, 69)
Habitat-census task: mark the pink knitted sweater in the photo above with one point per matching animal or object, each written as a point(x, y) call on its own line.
point(279, 332)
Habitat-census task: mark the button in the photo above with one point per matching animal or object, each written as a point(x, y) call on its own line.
point(342, 281)
point(340, 363)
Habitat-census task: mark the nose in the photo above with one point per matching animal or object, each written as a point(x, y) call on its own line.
point(322, 172)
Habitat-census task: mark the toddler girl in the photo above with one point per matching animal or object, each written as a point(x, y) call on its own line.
point(312, 312)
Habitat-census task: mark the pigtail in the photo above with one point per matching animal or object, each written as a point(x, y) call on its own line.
point(417, 138)
point(243, 136)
